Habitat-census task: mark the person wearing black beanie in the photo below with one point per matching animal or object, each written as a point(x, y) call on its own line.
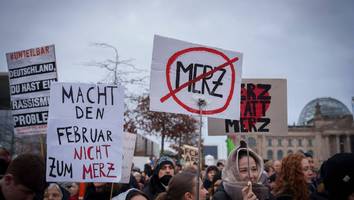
point(158, 182)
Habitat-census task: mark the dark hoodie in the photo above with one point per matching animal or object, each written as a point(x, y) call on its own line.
point(209, 183)
point(231, 188)
point(154, 186)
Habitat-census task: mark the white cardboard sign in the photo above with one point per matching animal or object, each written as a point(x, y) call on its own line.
point(128, 154)
point(183, 72)
point(84, 139)
point(263, 110)
point(31, 73)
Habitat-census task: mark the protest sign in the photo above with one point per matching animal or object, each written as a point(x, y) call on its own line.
point(128, 154)
point(84, 139)
point(190, 154)
point(31, 73)
point(182, 73)
point(263, 109)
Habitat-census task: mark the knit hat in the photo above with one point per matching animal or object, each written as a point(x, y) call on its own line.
point(163, 161)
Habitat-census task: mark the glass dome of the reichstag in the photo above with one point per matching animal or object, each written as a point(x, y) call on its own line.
point(328, 106)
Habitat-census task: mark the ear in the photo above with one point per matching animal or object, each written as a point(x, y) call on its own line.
point(188, 196)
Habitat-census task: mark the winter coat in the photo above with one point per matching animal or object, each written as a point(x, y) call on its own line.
point(154, 187)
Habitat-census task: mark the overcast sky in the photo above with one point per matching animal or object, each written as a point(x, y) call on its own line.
point(308, 42)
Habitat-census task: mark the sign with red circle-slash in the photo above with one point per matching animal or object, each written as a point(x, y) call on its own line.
point(183, 72)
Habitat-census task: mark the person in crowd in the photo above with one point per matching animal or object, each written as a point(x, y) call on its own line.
point(209, 179)
point(220, 165)
point(277, 166)
point(74, 191)
point(277, 169)
point(55, 192)
point(268, 167)
point(338, 177)
point(132, 194)
point(183, 187)
point(210, 173)
point(98, 190)
point(241, 181)
point(291, 182)
point(24, 178)
point(178, 168)
point(308, 173)
point(163, 173)
point(309, 157)
point(216, 185)
point(138, 179)
point(144, 178)
point(148, 170)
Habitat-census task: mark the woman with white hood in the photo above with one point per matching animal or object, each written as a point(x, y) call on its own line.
point(240, 182)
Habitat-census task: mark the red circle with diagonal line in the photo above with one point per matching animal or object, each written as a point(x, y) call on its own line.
point(200, 49)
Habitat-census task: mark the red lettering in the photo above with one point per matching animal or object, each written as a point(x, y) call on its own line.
point(86, 171)
point(77, 155)
point(98, 170)
point(89, 153)
point(110, 168)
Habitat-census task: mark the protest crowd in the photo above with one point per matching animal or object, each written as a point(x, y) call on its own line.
point(293, 177)
point(89, 153)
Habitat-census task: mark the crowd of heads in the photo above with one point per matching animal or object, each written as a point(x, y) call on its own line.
point(244, 175)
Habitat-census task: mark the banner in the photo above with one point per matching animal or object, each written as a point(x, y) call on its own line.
point(182, 73)
point(128, 154)
point(31, 73)
point(85, 127)
point(263, 109)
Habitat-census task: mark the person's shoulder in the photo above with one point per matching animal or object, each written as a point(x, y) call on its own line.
point(220, 194)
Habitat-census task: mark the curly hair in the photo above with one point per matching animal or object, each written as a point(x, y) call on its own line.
point(291, 179)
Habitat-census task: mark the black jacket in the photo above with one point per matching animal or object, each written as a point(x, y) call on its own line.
point(220, 194)
point(153, 187)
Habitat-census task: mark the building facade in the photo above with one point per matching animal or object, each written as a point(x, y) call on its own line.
point(325, 127)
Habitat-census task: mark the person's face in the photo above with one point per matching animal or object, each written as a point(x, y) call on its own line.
point(243, 169)
point(307, 170)
point(53, 193)
point(211, 175)
point(74, 189)
point(221, 167)
point(166, 169)
point(311, 163)
point(271, 171)
point(138, 197)
point(277, 166)
point(14, 191)
point(137, 177)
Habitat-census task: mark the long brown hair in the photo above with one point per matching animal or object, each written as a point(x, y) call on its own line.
point(291, 179)
point(180, 184)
